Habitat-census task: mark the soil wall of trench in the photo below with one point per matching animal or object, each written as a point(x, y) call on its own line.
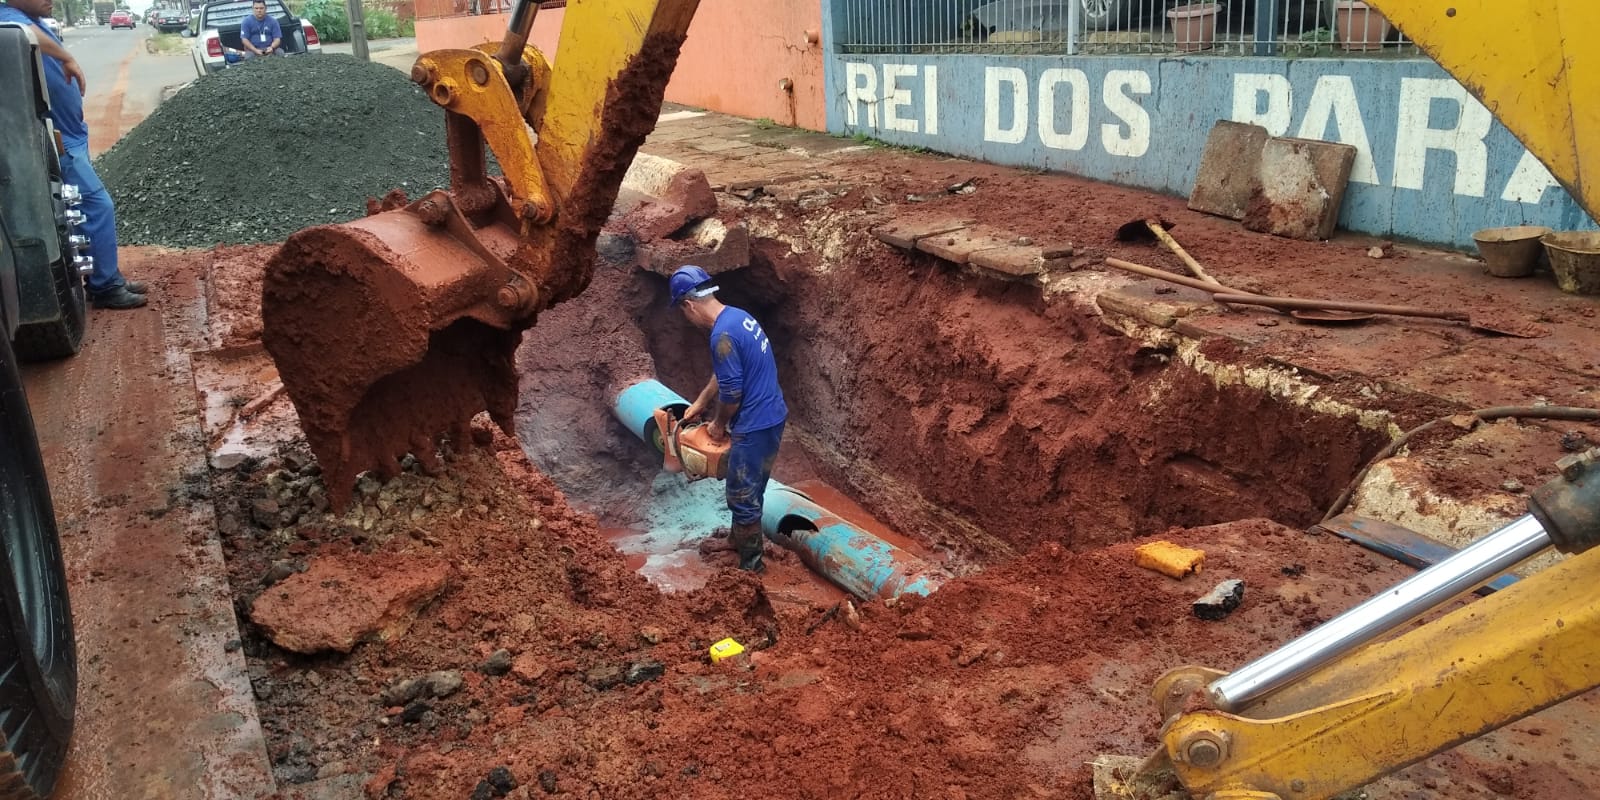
point(971, 411)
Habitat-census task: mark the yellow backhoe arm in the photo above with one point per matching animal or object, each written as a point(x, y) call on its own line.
point(393, 331)
point(1532, 64)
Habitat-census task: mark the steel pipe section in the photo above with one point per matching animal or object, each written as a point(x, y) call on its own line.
point(855, 560)
point(1475, 565)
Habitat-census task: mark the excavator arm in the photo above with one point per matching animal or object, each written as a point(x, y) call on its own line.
point(1531, 64)
point(393, 331)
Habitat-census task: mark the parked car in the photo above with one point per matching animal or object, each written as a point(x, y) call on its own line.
point(123, 19)
point(53, 25)
point(169, 20)
point(1099, 15)
point(38, 657)
point(218, 26)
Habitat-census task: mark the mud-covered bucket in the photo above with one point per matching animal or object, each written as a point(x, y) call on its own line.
point(1510, 252)
point(1575, 260)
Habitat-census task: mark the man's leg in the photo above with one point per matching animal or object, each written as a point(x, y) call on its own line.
point(106, 284)
point(750, 460)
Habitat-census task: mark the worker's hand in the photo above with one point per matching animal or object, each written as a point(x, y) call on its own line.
point(693, 413)
point(75, 73)
point(717, 431)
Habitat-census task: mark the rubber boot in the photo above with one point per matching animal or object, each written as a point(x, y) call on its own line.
point(747, 541)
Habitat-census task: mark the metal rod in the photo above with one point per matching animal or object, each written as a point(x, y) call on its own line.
point(1474, 566)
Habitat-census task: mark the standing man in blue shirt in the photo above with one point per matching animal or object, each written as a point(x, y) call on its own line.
point(260, 33)
point(107, 287)
point(748, 405)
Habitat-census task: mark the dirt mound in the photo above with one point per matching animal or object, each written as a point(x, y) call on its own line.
point(254, 153)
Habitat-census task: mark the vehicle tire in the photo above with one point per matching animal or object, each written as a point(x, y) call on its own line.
point(61, 337)
point(38, 657)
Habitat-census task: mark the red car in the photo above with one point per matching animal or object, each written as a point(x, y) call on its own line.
point(122, 19)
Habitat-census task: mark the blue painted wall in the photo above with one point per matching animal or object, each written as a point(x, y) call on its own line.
point(1433, 166)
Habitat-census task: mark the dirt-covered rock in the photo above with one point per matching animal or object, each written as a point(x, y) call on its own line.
point(256, 152)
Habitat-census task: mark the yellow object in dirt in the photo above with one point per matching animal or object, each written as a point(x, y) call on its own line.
point(725, 649)
point(1169, 559)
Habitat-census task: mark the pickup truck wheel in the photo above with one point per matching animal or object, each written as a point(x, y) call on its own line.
point(38, 657)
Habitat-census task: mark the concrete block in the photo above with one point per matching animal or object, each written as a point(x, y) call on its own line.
point(1228, 166)
point(1134, 301)
point(679, 194)
point(1299, 188)
point(904, 232)
point(957, 247)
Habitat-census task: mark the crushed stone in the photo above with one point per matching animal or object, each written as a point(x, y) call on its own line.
point(257, 152)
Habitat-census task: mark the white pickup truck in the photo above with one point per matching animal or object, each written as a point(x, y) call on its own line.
point(217, 25)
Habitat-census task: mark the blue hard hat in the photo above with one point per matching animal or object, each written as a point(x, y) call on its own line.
point(685, 280)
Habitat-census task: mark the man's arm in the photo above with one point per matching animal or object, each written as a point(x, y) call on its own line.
point(50, 47)
point(277, 36)
point(702, 402)
point(728, 374)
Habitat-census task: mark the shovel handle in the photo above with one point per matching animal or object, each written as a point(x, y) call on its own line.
point(1151, 272)
point(1177, 250)
point(1286, 303)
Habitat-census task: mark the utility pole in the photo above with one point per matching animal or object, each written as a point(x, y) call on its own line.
point(358, 30)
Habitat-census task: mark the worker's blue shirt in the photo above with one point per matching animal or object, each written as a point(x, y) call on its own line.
point(66, 104)
point(741, 356)
point(260, 32)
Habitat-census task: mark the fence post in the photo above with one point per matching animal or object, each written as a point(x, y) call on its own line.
point(1266, 32)
point(1074, 26)
point(358, 30)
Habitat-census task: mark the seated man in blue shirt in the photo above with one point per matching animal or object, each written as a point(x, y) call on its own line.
point(748, 404)
point(107, 287)
point(260, 33)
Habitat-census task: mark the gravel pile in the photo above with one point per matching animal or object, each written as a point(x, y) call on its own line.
point(257, 152)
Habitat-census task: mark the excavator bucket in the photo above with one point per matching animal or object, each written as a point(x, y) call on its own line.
point(393, 331)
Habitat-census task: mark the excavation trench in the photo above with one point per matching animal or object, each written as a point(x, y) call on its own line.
point(971, 416)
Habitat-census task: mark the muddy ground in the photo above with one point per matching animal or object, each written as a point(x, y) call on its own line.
point(1007, 431)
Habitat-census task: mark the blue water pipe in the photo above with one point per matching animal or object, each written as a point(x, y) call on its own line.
point(855, 560)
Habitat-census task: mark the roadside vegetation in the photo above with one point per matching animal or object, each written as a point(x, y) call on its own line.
point(333, 24)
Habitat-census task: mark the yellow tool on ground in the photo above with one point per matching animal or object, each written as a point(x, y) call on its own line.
point(392, 332)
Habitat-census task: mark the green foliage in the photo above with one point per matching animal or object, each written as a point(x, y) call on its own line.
point(333, 25)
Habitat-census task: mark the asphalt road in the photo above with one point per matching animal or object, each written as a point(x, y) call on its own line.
point(125, 81)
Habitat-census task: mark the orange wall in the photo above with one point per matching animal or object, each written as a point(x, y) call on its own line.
point(737, 54)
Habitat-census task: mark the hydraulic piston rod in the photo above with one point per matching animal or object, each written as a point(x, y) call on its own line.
point(1474, 566)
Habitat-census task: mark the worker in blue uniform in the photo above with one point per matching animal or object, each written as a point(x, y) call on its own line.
point(744, 399)
point(107, 287)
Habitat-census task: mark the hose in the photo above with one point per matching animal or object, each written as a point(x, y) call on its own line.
point(1483, 415)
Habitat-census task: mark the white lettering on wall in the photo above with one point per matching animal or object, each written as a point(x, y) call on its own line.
point(896, 97)
point(1250, 88)
point(1528, 181)
point(1334, 98)
point(1414, 136)
point(861, 82)
point(930, 100)
point(1135, 141)
point(1016, 129)
point(1076, 135)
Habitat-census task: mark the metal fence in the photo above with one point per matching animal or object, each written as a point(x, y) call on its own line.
point(1020, 27)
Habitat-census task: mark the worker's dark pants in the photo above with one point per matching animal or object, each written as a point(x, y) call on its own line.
point(750, 459)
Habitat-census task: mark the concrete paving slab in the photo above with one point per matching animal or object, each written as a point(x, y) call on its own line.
point(1228, 168)
point(905, 231)
point(1018, 260)
point(1299, 188)
point(957, 247)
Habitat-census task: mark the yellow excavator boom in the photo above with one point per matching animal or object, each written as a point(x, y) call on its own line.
point(1531, 64)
